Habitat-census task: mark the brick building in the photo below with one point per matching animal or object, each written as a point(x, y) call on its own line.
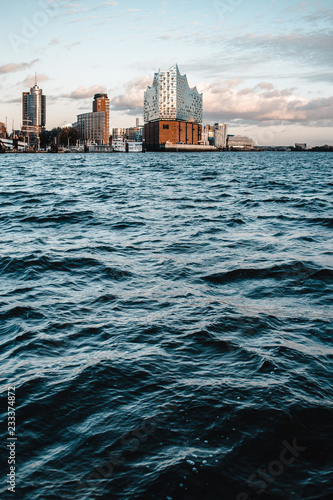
point(159, 132)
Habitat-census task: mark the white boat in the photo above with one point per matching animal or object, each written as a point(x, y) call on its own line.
point(99, 148)
point(120, 146)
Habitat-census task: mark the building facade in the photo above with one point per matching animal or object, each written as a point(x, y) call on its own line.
point(33, 111)
point(134, 133)
point(2, 131)
point(220, 135)
point(101, 103)
point(207, 136)
point(91, 127)
point(94, 127)
point(239, 142)
point(171, 98)
point(215, 135)
point(118, 134)
point(171, 131)
point(172, 110)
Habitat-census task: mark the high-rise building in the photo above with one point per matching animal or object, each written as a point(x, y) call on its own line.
point(101, 103)
point(33, 111)
point(95, 126)
point(220, 135)
point(172, 110)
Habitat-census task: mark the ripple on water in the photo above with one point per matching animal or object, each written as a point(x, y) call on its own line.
point(166, 324)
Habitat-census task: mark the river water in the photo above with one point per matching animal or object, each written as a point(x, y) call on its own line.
point(166, 325)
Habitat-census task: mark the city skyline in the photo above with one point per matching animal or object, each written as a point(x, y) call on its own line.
point(263, 67)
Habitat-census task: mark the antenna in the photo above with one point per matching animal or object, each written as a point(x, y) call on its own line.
point(36, 78)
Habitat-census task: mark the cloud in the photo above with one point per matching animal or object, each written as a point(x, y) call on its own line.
point(111, 2)
point(265, 86)
point(317, 109)
point(318, 77)
point(71, 45)
point(29, 81)
point(83, 92)
point(306, 47)
point(322, 14)
point(229, 63)
point(14, 67)
point(132, 99)
point(13, 100)
point(227, 101)
point(232, 102)
point(66, 9)
point(54, 41)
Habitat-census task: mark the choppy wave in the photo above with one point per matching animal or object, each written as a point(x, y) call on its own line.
point(166, 323)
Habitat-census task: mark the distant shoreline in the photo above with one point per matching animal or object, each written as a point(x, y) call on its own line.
point(319, 150)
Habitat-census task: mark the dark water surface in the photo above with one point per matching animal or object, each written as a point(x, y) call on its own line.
point(166, 323)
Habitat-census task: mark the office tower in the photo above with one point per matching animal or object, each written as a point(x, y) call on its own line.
point(33, 111)
point(95, 126)
point(101, 103)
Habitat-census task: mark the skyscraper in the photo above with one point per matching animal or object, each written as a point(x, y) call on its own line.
point(33, 110)
point(172, 110)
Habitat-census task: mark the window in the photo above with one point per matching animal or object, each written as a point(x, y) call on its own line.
point(166, 126)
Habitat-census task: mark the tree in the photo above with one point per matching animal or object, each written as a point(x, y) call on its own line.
point(45, 139)
point(68, 136)
point(60, 136)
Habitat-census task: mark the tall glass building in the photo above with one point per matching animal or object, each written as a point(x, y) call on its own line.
point(34, 110)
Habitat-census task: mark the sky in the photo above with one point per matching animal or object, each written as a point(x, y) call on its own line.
point(265, 67)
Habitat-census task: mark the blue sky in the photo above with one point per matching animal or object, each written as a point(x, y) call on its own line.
point(264, 67)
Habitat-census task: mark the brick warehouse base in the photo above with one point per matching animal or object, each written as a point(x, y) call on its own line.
point(174, 131)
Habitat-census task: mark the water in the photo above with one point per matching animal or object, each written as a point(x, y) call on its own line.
point(166, 325)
